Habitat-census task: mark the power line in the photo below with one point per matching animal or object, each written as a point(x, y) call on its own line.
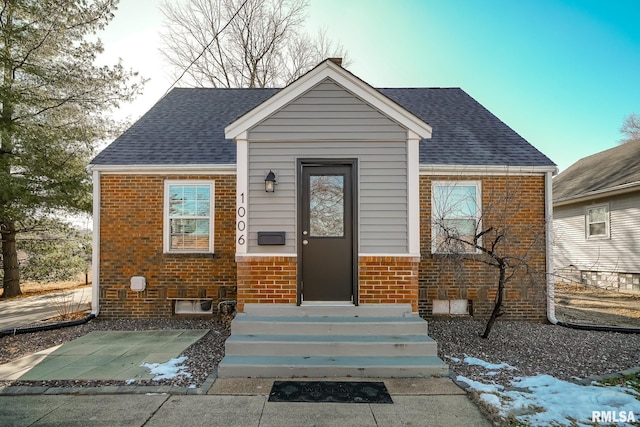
point(205, 48)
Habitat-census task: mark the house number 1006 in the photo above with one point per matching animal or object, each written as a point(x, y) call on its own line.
point(242, 225)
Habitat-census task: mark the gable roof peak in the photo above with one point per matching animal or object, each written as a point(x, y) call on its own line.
point(329, 69)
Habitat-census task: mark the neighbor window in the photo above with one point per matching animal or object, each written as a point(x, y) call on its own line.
point(455, 214)
point(597, 221)
point(188, 216)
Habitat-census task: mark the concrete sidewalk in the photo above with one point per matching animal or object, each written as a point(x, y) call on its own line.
point(21, 312)
point(244, 402)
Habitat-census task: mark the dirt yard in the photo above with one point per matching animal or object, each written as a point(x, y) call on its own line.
point(595, 306)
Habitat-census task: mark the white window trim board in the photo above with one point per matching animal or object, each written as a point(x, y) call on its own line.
point(165, 228)
point(453, 183)
point(607, 225)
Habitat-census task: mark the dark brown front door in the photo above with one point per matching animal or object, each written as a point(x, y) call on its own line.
point(326, 232)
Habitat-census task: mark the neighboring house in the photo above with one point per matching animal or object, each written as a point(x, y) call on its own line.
point(318, 193)
point(596, 210)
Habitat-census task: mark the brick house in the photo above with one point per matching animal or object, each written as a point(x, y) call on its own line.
point(318, 194)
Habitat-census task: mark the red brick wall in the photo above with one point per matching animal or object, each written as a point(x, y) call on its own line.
point(516, 200)
point(131, 244)
point(389, 280)
point(266, 280)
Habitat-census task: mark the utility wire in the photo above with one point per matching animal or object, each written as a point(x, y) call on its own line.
point(205, 48)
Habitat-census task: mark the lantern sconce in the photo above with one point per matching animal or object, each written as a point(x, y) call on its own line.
point(270, 182)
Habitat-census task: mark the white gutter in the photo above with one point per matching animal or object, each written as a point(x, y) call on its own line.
point(437, 169)
point(597, 194)
point(95, 253)
point(548, 216)
point(204, 169)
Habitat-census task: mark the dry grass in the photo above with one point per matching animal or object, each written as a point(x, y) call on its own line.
point(597, 306)
point(30, 289)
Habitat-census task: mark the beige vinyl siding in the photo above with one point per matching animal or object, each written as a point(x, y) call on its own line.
point(327, 112)
point(618, 253)
point(382, 198)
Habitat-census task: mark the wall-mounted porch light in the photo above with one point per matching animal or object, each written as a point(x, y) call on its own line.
point(270, 182)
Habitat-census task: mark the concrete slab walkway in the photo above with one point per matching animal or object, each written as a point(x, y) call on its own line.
point(108, 355)
point(20, 312)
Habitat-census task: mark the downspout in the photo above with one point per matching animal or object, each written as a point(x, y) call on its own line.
point(95, 246)
point(548, 216)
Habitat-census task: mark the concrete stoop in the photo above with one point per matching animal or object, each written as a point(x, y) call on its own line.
point(324, 341)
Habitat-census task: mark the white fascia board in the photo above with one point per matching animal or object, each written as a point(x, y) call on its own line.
point(413, 193)
point(598, 194)
point(242, 197)
point(328, 69)
point(488, 170)
point(225, 169)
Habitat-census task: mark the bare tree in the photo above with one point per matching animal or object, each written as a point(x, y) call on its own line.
point(241, 43)
point(466, 231)
point(630, 128)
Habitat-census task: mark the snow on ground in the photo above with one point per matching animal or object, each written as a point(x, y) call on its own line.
point(491, 366)
point(543, 400)
point(168, 370)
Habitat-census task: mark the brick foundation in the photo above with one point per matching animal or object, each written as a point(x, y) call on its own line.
point(389, 280)
point(266, 280)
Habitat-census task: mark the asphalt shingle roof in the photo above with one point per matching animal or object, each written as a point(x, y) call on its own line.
point(187, 127)
point(601, 171)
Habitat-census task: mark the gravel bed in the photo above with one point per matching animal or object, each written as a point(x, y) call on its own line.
point(532, 348)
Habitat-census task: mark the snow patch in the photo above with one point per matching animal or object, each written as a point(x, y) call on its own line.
point(168, 370)
point(478, 386)
point(545, 400)
point(487, 365)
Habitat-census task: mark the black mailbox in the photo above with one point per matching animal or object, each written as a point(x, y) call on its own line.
point(271, 237)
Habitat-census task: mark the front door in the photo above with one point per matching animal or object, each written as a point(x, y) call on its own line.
point(326, 232)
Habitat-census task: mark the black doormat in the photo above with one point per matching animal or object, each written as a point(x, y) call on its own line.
point(329, 391)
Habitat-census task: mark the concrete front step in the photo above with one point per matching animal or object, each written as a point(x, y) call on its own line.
point(327, 325)
point(280, 340)
point(331, 345)
point(328, 309)
point(326, 366)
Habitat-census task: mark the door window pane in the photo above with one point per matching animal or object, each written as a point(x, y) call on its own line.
point(326, 205)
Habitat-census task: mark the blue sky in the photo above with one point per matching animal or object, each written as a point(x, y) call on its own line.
point(563, 74)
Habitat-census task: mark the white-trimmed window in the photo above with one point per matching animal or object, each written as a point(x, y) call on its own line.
point(455, 212)
point(188, 216)
point(597, 222)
